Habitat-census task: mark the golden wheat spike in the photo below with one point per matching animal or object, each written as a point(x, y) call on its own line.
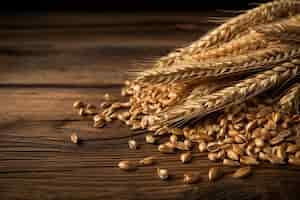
point(235, 27)
point(198, 107)
point(269, 35)
point(287, 30)
point(217, 69)
point(290, 101)
point(259, 37)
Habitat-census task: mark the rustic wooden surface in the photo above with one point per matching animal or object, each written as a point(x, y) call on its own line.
point(47, 62)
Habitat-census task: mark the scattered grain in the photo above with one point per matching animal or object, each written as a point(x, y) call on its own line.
point(259, 142)
point(229, 162)
point(74, 138)
point(212, 156)
point(163, 174)
point(202, 146)
point(294, 161)
point(107, 97)
point(81, 112)
point(297, 154)
point(191, 178)
point(78, 104)
point(213, 147)
point(150, 139)
point(188, 144)
point(132, 144)
point(215, 173)
point(173, 139)
point(232, 155)
point(147, 161)
point(163, 148)
point(248, 160)
point(186, 157)
point(127, 165)
point(242, 172)
point(100, 122)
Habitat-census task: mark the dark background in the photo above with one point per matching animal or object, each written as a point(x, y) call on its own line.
point(53, 53)
point(125, 6)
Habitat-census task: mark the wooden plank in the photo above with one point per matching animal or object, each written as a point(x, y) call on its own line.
point(62, 54)
point(100, 19)
point(51, 61)
point(80, 66)
point(37, 159)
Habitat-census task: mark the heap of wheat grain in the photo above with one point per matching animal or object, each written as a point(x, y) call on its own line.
point(251, 55)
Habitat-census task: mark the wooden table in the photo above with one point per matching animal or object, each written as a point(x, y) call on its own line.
point(49, 61)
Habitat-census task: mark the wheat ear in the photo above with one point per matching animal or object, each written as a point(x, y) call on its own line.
point(287, 30)
point(265, 13)
point(290, 101)
point(250, 42)
point(235, 27)
point(261, 37)
point(283, 30)
point(260, 60)
point(198, 107)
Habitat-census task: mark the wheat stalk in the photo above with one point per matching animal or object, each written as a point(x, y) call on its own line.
point(234, 28)
point(260, 60)
point(195, 108)
point(261, 37)
point(284, 30)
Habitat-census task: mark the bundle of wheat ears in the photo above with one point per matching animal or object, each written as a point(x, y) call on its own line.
point(235, 92)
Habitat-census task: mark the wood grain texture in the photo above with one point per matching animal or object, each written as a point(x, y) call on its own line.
point(44, 68)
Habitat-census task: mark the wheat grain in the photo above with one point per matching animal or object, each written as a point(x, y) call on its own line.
point(202, 146)
point(186, 157)
point(292, 148)
point(294, 161)
point(163, 174)
point(215, 173)
point(150, 139)
point(78, 104)
point(127, 165)
point(74, 138)
point(242, 172)
point(132, 144)
point(229, 162)
point(191, 178)
point(164, 148)
point(147, 161)
point(248, 160)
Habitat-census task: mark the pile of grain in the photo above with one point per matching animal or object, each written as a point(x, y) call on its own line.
point(209, 95)
point(244, 135)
